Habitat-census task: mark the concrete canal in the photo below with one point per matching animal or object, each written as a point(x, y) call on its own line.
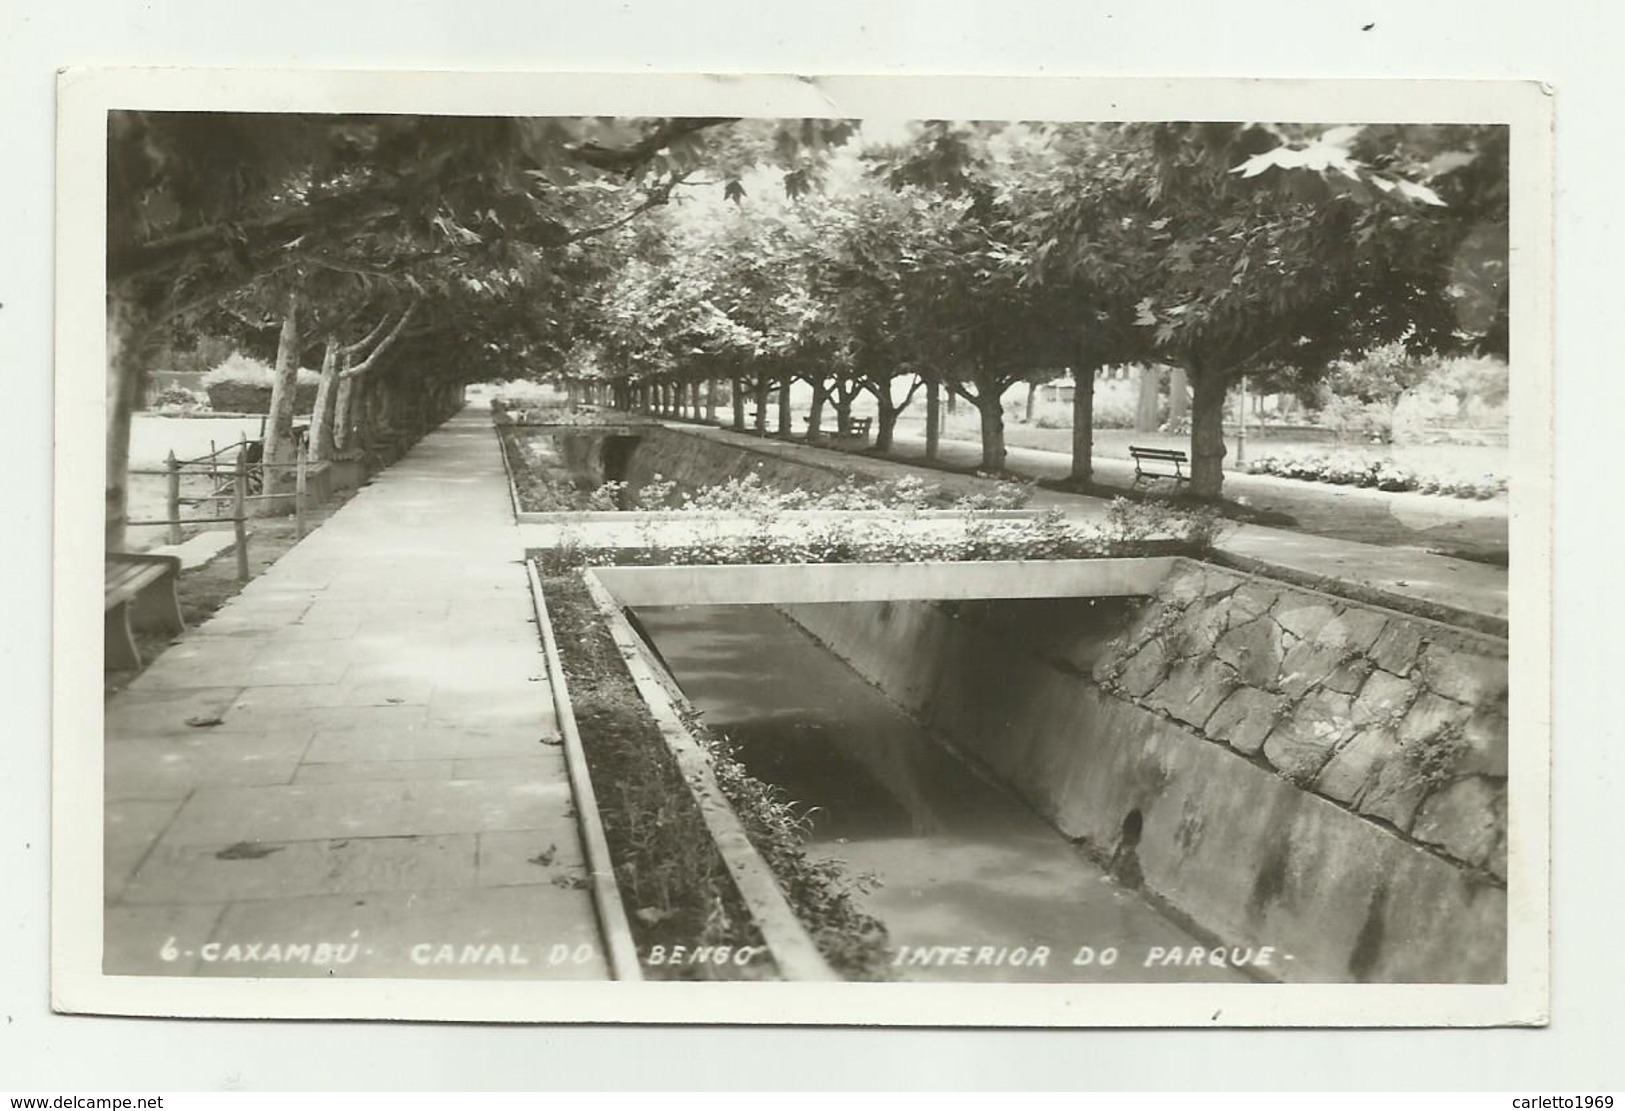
point(973, 885)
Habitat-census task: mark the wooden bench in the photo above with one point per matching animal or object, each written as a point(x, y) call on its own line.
point(139, 593)
point(859, 427)
point(1163, 456)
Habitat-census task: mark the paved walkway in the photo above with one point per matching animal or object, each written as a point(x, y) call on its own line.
point(1435, 583)
point(382, 792)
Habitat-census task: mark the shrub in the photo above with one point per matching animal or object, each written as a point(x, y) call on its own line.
point(241, 384)
point(1346, 469)
point(1352, 418)
point(179, 397)
point(1003, 495)
point(521, 394)
point(1133, 522)
point(1116, 403)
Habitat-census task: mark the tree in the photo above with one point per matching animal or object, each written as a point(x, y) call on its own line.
point(202, 205)
point(866, 246)
point(1258, 248)
point(1011, 307)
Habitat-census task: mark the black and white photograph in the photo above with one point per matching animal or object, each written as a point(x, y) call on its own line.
point(866, 550)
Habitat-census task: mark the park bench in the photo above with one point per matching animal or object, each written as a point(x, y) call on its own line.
point(139, 593)
point(860, 426)
point(1160, 456)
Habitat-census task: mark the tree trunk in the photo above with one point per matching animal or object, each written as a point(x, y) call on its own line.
point(321, 420)
point(952, 405)
point(1207, 431)
point(933, 418)
point(739, 404)
point(279, 445)
point(815, 414)
point(886, 420)
point(843, 415)
point(1178, 396)
point(125, 335)
point(341, 414)
point(1145, 413)
point(1032, 388)
point(787, 428)
point(694, 399)
point(367, 409)
point(1083, 424)
point(711, 399)
point(760, 423)
point(990, 407)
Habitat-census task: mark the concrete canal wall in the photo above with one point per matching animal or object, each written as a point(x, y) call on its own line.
point(1276, 766)
point(636, 454)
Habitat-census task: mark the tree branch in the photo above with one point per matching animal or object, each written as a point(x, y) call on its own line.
point(365, 341)
point(660, 195)
point(243, 239)
point(383, 345)
point(627, 159)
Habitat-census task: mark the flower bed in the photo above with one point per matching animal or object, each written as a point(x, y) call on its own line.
point(1346, 469)
point(1131, 529)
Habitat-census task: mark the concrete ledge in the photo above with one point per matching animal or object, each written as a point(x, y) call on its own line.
point(793, 950)
point(1491, 624)
point(790, 516)
point(789, 583)
point(606, 892)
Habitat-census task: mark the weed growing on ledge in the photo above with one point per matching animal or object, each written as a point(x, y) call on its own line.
point(674, 883)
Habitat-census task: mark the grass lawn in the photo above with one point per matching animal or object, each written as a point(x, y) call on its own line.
point(1113, 443)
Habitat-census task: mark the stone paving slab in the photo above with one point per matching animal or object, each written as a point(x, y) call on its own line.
point(496, 933)
point(353, 768)
point(150, 711)
point(147, 940)
point(441, 742)
point(298, 811)
point(232, 872)
point(131, 826)
point(359, 771)
point(530, 857)
point(174, 767)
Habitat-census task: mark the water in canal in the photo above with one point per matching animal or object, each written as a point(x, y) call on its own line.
point(962, 863)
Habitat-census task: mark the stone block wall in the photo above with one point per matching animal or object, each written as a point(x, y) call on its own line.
point(1273, 766)
point(1399, 719)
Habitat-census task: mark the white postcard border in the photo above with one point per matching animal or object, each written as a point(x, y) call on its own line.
point(77, 982)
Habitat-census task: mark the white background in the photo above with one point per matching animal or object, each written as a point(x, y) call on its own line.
point(1571, 44)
